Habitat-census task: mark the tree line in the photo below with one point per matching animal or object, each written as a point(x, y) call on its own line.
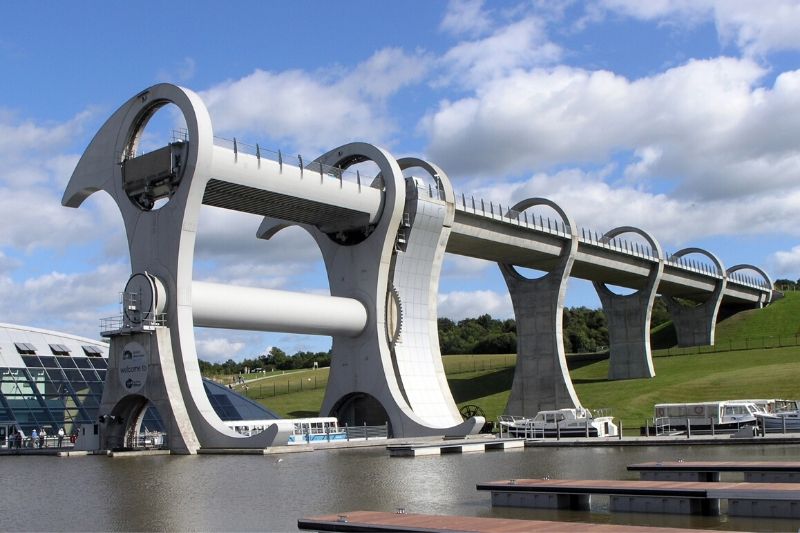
point(584, 330)
point(275, 359)
point(787, 284)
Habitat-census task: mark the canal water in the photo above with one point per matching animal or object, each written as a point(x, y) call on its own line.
point(258, 493)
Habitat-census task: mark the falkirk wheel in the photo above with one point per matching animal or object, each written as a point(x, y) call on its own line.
point(382, 241)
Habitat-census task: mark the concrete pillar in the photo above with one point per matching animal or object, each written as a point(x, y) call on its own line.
point(392, 371)
point(541, 378)
point(695, 325)
point(628, 318)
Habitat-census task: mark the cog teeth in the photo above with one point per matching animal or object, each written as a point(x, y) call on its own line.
point(394, 297)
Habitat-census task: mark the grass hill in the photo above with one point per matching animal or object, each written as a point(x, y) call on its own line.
point(779, 319)
point(485, 380)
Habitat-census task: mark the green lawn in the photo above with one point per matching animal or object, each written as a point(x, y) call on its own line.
point(760, 373)
point(747, 371)
point(770, 373)
point(779, 319)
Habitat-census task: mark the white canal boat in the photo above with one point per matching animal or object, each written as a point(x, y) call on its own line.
point(556, 423)
point(783, 417)
point(723, 415)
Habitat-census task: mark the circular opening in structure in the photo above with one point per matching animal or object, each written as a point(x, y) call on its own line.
point(155, 156)
point(529, 273)
point(629, 243)
point(364, 173)
point(620, 290)
point(694, 263)
point(359, 409)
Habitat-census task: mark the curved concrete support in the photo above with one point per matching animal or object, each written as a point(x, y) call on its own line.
point(392, 371)
point(628, 317)
point(767, 297)
point(428, 217)
point(695, 326)
point(161, 243)
point(541, 378)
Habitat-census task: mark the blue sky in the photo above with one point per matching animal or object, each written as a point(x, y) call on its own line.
point(680, 117)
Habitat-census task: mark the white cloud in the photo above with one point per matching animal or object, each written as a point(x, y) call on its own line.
point(706, 125)
point(227, 251)
point(459, 266)
point(521, 44)
point(458, 305)
point(70, 302)
point(465, 17)
point(219, 349)
point(596, 205)
point(315, 111)
point(786, 263)
point(756, 28)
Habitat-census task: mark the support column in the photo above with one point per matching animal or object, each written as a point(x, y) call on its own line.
point(392, 370)
point(628, 318)
point(694, 326)
point(541, 378)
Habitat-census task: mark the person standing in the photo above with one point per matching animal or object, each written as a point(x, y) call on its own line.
point(60, 436)
point(34, 437)
point(42, 439)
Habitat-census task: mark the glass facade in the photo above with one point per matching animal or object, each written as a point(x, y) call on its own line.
point(64, 390)
point(55, 392)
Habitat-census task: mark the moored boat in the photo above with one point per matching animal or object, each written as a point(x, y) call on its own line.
point(577, 422)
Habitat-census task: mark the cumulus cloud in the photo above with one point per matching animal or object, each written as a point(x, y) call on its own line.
point(521, 44)
point(315, 111)
point(596, 205)
point(227, 251)
point(35, 165)
point(459, 266)
point(786, 262)
point(465, 17)
point(458, 305)
point(756, 28)
point(71, 302)
point(707, 126)
point(219, 349)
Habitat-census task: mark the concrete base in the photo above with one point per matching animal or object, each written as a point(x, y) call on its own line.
point(772, 477)
point(644, 504)
point(647, 475)
point(764, 508)
point(579, 502)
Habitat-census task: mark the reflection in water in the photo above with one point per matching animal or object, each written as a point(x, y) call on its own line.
point(261, 493)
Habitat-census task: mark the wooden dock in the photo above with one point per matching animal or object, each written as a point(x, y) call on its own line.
point(753, 471)
point(381, 521)
point(456, 446)
point(777, 500)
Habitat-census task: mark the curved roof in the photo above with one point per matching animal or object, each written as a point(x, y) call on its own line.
point(17, 340)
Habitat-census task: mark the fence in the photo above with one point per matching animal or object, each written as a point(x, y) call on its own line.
point(733, 345)
point(477, 363)
point(279, 386)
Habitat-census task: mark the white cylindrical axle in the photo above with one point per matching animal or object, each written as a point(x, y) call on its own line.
point(215, 305)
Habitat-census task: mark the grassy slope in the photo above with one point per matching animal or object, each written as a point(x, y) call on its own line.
point(770, 373)
point(780, 318)
point(765, 373)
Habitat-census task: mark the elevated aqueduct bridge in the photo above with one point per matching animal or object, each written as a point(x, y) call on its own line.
point(383, 238)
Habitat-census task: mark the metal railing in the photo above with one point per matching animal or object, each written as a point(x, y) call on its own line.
point(366, 432)
point(119, 322)
point(488, 209)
